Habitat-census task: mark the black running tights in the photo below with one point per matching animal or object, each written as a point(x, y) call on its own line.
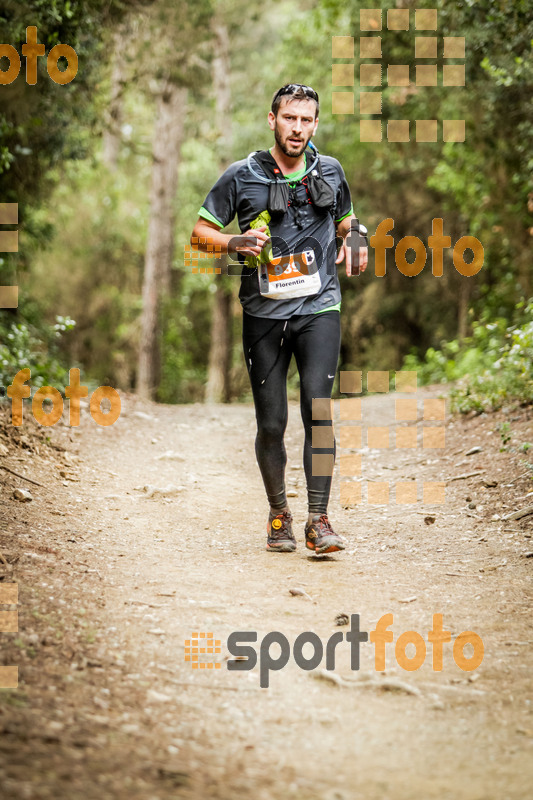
point(268, 347)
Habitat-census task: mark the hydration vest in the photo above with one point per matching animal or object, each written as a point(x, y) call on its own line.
point(281, 195)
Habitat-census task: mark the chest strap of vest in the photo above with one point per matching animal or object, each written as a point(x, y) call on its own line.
point(320, 192)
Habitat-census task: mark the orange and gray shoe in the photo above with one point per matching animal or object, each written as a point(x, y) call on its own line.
point(280, 538)
point(320, 536)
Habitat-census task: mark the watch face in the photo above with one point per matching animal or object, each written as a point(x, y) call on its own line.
point(358, 227)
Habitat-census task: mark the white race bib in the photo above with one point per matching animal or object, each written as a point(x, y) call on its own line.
point(289, 276)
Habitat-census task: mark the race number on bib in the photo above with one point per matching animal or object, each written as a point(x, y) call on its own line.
point(289, 276)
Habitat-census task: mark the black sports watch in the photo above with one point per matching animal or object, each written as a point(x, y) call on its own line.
point(360, 234)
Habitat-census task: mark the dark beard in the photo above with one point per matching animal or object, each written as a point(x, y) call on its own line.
point(283, 147)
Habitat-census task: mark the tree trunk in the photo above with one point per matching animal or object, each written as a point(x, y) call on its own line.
point(462, 311)
point(112, 131)
point(168, 136)
point(217, 388)
point(524, 262)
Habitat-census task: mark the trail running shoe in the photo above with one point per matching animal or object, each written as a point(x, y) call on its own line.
point(320, 536)
point(280, 538)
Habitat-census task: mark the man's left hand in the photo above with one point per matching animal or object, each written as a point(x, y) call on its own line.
point(356, 260)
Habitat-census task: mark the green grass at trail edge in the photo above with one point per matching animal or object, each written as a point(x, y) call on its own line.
point(490, 368)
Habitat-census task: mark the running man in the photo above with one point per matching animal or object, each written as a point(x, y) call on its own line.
point(291, 204)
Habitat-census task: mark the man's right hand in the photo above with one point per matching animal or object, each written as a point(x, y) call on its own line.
point(249, 243)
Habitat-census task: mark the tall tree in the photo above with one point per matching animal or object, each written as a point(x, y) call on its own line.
point(168, 136)
point(217, 387)
point(176, 32)
point(118, 80)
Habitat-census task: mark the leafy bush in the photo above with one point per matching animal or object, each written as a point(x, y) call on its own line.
point(23, 345)
point(489, 368)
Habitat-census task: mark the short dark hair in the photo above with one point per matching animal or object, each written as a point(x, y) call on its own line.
point(295, 91)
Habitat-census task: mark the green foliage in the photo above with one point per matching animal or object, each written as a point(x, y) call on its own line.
point(492, 367)
point(23, 344)
point(480, 187)
point(83, 229)
point(41, 127)
point(184, 346)
point(92, 271)
point(42, 124)
point(505, 432)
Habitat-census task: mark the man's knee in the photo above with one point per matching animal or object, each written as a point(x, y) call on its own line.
point(271, 431)
point(314, 412)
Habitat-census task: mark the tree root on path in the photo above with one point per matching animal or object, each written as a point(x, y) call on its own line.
point(385, 684)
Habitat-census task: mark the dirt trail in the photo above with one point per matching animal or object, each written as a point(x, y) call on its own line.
point(113, 581)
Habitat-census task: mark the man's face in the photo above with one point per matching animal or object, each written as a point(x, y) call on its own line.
point(294, 125)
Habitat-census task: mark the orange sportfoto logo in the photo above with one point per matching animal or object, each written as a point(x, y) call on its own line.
point(32, 50)
point(202, 649)
point(18, 390)
point(200, 645)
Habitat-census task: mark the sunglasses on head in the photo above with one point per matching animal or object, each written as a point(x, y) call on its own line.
point(291, 88)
